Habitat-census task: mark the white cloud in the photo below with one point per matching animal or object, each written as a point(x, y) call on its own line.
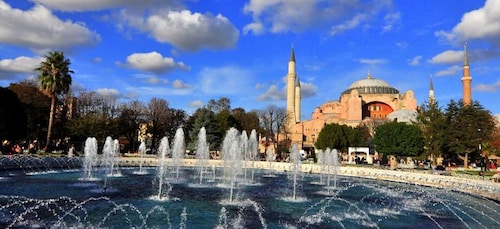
point(488, 87)
point(448, 57)
point(196, 104)
point(453, 70)
point(39, 29)
point(272, 94)
point(20, 64)
point(477, 24)
point(178, 84)
point(108, 93)
point(308, 89)
point(152, 62)
point(190, 31)
point(391, 20)
point(279, 16)
point(156, 80)
point(415, 61)
point(372, 61)
point(350, 24)
point(91, 5)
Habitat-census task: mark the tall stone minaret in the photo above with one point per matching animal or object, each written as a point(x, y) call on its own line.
point(431, 91)
point(297, 100)
point(290, 90)
point(466, 80)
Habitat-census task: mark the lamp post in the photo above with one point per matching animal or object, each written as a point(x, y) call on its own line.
point(483, 161)
point(313, 153)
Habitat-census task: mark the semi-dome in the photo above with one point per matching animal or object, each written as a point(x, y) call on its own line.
point(370, 85)
point(403, 115)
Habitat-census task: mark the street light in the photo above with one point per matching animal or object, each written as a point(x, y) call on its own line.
point(313, 147)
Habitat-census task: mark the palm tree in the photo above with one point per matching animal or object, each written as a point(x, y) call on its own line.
point(54, 79)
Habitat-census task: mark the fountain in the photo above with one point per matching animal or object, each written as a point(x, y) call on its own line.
point(163, 185)
point(178, 150)
point(90, 158)
point(51, 200)
point(202, 153)
point(142, 152)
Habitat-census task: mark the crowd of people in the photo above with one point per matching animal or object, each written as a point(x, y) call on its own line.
point(33, 146)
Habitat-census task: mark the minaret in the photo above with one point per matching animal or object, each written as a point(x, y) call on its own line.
point(466, 80)
point(297, 100)
point(290, 90)
point(431, 91)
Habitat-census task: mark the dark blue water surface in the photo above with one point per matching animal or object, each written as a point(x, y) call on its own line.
point(58, 199)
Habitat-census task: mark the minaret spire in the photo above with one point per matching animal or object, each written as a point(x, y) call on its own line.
point(466, 80)
point(298, 98)
point(431, 90)
point(291, 81)
point(466, 57)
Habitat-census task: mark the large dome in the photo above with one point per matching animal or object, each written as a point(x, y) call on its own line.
point(370, 85)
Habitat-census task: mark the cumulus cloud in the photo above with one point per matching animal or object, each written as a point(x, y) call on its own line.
point(447, 57)
point(91, 5)
point(308, 89)
point(178, 84)
point(20, 64)
point(156, 80)
point(152, 62)
point(196, 104)
point(415, 61)
point(453, 70)
point(488, 87)
point(38, 28)
point(273, 93)
point(477, 24)
point(186, 30)
point(279, 16)
point(108, 93)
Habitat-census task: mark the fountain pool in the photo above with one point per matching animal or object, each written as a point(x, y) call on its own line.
point(54, 197)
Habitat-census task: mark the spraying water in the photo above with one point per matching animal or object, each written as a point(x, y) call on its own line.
point(90, 158)
point(232, 154)
point(295, 159)
point(161, 170)
point(178, 150)
point(253, 150)
point(142, 152)
point(202, 152)
point(336, 165)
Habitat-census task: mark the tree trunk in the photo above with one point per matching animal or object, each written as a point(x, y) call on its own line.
point(466, 160)
point(51, 121)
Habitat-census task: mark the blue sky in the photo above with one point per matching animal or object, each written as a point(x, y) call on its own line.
point(191, 51)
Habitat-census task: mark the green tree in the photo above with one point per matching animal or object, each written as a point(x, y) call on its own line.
point(223, 104)
point(36, 106)
point(131, 115)
point(248, 120)
point(12, 116)
point(467, 127)
point(335, 136)
point(55, 79)
point(399, 139)
point(432, 121)
point(204, 117)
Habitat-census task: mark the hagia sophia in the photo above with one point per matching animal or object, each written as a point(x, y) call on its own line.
point(366, 100)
